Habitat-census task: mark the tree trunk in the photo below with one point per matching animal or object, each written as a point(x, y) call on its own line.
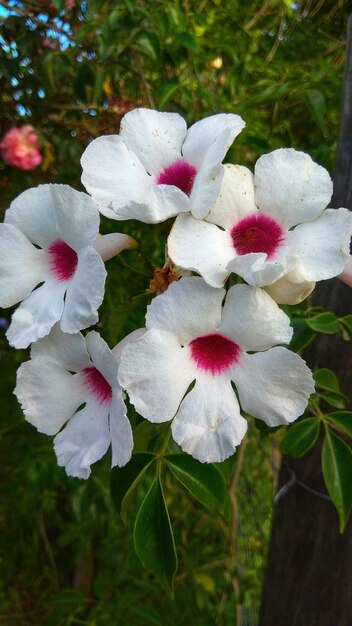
point(309, 568)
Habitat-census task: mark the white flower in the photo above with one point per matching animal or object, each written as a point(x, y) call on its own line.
point(47, 239)
point(271, 229)
point(192, 338)
point(66, 371)
point(156, 168)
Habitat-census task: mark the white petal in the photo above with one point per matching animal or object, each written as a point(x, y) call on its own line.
point(112, 215)
point(76, 215)
point(201, 247)
point(236, 198)
point(37, 314)
point(135, 334)
point(22, 266)
point(323, 246)
point(120, 431)
point(290, 187)
point(155, 137)
point(284, 291)
point(69, 351)
point(187, 309)
point(48, 394)
point(255, 269)
point(208, 182)
point(273, 386)
point(252, 318)
point(50, 212)
point(208, 424)
point(162, 202)
point(102, 357)
point(113, 174)
point(85, 292)
point(156, 372)
point(84, 440)
point(205, 190)
point(112, 244)
point(32, 213)
point(206, 132)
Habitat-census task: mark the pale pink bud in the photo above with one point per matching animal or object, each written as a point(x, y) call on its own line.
point(346, 275)
point(110, 245)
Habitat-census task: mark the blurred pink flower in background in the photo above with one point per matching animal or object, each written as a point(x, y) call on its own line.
point(19, 148)
point(48, 43)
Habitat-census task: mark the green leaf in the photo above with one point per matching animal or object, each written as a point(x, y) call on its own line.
point(153, 537)
point(300, 437)
point(326, 379)
point(186, 40)
point(83, 33)
point(84, 81)
point(118, 317)
point(59, 4)
point(337, 472)
point(149, 44)
point(316, 105)
point(302, 337)
point(347, 321)
point(342, 419)
point(49, 67)
point(147, 435)
point(125, 479)
point(326, 323)
point(204, 482)
point(333, 398)
point(167, 91)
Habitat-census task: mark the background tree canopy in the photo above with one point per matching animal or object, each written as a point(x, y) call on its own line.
point(72, 70)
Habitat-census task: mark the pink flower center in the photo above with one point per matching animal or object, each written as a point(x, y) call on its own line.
point(63, 260)
point(180, 174)
point(97, 385)
point(214, 353)
point(257, 233)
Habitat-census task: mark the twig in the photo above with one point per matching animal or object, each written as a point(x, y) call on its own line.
point(48, 550)
point(145, 84)
point(262, 11)
point(231, 492)
point(212, 565)
point(32, 18)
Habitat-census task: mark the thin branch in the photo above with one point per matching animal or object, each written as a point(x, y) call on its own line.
point(32, 18)
point(231, 492)
point(202, 568)
point(48, 550)
point(262, 11)
point(277, 42)
point(145, 84)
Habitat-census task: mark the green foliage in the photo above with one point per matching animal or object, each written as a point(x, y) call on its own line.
point(300, 437)
point(343, 421)
point(324, 323)
point(337, 472)
point(125, 480)
point(153, 537)
point(204, 482)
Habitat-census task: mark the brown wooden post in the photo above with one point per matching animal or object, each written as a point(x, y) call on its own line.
point(308, 578)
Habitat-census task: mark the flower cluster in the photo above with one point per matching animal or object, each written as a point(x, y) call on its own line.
point(19, 148)
point(207, 354)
